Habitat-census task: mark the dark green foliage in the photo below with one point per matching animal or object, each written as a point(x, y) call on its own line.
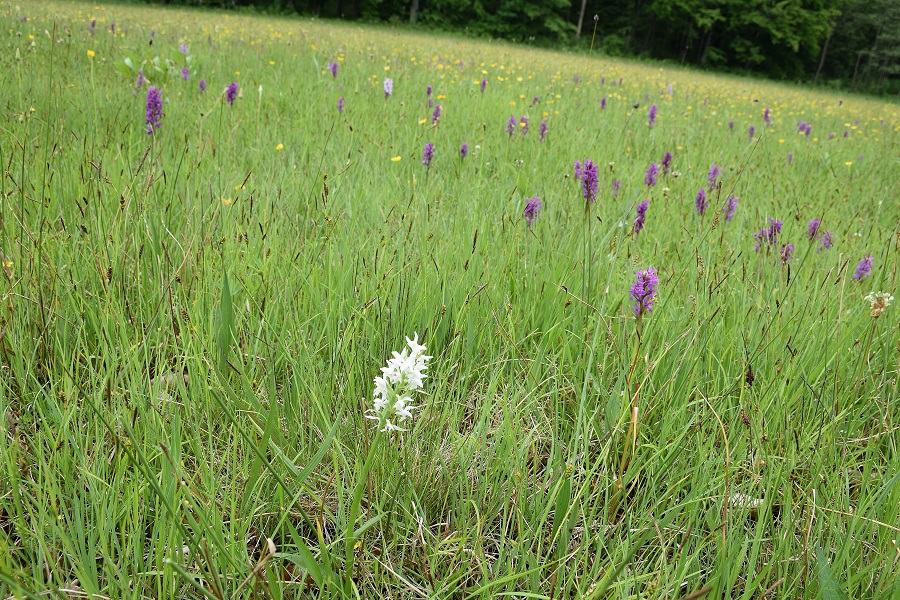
point(845, 43)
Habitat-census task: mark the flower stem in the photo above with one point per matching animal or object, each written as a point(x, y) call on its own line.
point(349, 537)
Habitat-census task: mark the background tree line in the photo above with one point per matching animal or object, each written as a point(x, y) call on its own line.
point(850, 44)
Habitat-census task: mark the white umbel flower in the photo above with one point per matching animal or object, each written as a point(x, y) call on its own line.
point(399, 381)
point(879, 302)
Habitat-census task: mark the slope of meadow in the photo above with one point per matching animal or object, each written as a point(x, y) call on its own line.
point(191, 320)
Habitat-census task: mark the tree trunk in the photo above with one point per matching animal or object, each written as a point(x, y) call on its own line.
point(706, 46)
point(856, 70)
point(580, 19)
point(822, 59)
point(413, 12)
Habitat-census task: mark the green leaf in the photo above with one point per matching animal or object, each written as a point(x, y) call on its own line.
point(613, 411)
point(226, 323)
point(306, 561)
point(831, 589)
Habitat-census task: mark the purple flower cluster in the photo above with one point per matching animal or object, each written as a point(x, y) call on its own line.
point(666, 163)
point(483, 85)
point(185, 73)
point(650, 175)
point(388, 87)
point(863, 268)
point(428, 90)
point(464, 150)
point(616, 186)
point(602, 102)
point(643, 292)
point(751, 131)
point(333, 67)
point(787, 253)
point(141, 80)
point(511, 125)
point(714, 172)
point(825, 241)
point(436, 115)
point(523, 124)
point(730, 207)
point(651, 116)
point(340, 104)
point(532, 209)
point(183, 48)
point(812, 228)
point(768, 235)
point(154, 110)
point(767, 116)
point(641, 216)
point(542, 130)
point(588, 176)
point(231, 92)
point(202, 85)
point(701, 203)
point(428, 154)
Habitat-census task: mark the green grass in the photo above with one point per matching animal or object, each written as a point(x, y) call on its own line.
point(190, 322)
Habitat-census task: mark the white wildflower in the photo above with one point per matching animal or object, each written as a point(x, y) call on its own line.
point(879, 302)
point(399, 380)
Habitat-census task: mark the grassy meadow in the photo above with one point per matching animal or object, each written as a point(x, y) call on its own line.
point(192, 319)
